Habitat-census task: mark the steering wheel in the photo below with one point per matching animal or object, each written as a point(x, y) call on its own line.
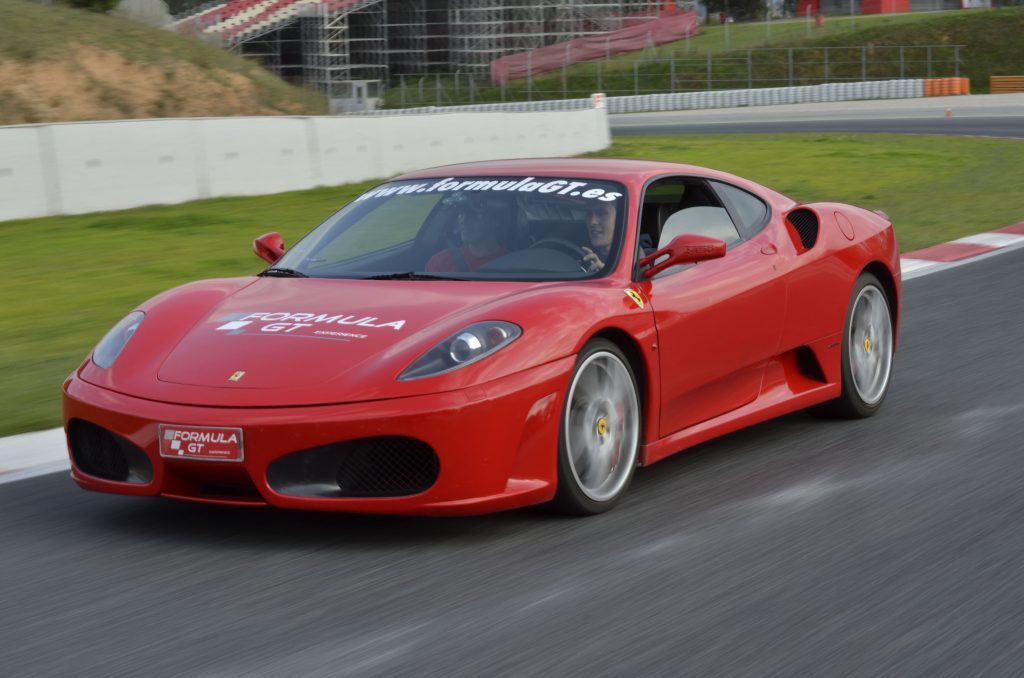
point(562, 245)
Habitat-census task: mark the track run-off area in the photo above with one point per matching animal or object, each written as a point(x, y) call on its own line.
point(887, 546)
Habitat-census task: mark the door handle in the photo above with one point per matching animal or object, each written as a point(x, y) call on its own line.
point(769, 249)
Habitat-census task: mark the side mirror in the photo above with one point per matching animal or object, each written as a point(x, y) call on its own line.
point(269, 247)
point(683, 249)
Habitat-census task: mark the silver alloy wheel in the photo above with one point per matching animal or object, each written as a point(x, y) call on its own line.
point(602, 426)
point(870, 344)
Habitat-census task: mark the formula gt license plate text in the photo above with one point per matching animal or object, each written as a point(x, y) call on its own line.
point(206, 443)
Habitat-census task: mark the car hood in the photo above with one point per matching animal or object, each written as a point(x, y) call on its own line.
point(284, 341)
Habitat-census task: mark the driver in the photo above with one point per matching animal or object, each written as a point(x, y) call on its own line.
point(479, 236)
point(600, 230)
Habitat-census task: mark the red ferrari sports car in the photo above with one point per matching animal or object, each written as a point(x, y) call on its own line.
point(491, 335)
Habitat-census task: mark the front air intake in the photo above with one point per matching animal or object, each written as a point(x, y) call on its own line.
point(384, 466)
point(805, 223)
point(102, 454)
point(387, 467)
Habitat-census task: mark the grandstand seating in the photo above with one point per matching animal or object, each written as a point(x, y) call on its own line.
point(236, 21)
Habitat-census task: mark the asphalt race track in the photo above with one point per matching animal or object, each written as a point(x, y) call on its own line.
point(891, 546)
point(1007, 126)
point(1000, 115)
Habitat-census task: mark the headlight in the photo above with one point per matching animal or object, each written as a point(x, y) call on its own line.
point(462, 348)
point(113, 343)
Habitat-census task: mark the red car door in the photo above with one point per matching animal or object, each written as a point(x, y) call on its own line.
point(718, 324)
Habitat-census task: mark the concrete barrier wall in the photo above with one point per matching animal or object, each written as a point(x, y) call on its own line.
point(73, 168)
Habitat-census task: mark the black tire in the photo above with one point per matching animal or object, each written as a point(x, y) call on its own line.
point(857, 402)
point(603, 389)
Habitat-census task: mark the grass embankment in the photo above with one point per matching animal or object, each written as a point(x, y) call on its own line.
point(60, 64)
point(77, 275)
point(992, 40)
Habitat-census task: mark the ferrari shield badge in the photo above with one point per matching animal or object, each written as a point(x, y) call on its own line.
point(635, 296)
point(237, 376)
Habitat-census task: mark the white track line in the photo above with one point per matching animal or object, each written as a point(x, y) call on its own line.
point(33, 454)
point(992, 239)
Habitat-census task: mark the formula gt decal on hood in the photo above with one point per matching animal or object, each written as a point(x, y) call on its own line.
point(309, 325)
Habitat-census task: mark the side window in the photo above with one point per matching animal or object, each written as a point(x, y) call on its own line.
point(749, 211)
point(676, 205)
point(680, 205)
point(661, 199)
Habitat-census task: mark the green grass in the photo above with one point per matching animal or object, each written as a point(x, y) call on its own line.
point(75, 276)
point(992, 40)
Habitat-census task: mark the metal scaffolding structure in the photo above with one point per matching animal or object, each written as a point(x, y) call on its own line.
point(328, 44)
point(343, 45)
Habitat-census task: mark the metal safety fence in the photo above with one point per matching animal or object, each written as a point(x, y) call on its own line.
point(683, 71)
point(677, 101)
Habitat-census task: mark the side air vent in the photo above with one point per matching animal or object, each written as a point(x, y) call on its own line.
point(805, 223)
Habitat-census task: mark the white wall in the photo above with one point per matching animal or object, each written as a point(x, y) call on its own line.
point(73, 168)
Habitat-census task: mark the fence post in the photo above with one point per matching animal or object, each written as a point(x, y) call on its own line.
point(401, 95)
point(600, 76)
point(863, 63)
point(529, 76)
point(826, 65)
point(565, 65)
point(750, 71)
point(437, 88)
point(709, 70)
point(929, 61)
point(636, 77)
point(472, 90)
point(956, 60)
point(901, 62)
point(672, 73)
point(790, 66)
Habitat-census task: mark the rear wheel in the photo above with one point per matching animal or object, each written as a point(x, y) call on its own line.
point(867, 353)
point(600, 431)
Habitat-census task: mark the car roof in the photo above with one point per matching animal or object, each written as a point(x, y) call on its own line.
point(595, 168)
point(634, 173)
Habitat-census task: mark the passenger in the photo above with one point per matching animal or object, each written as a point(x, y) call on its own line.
point(476, 229)
point(600, 229)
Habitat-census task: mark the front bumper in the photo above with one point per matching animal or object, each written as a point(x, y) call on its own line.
point(496, 444)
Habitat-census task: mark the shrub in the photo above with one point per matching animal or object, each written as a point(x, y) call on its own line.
point(94, 5)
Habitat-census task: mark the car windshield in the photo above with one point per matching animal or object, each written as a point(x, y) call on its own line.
point(469, 228)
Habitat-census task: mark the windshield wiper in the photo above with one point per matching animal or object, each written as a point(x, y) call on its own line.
point(283, 273)
point(408, 275)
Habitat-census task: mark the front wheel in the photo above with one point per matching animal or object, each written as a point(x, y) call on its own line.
point(867, 353)
point(600, 431)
